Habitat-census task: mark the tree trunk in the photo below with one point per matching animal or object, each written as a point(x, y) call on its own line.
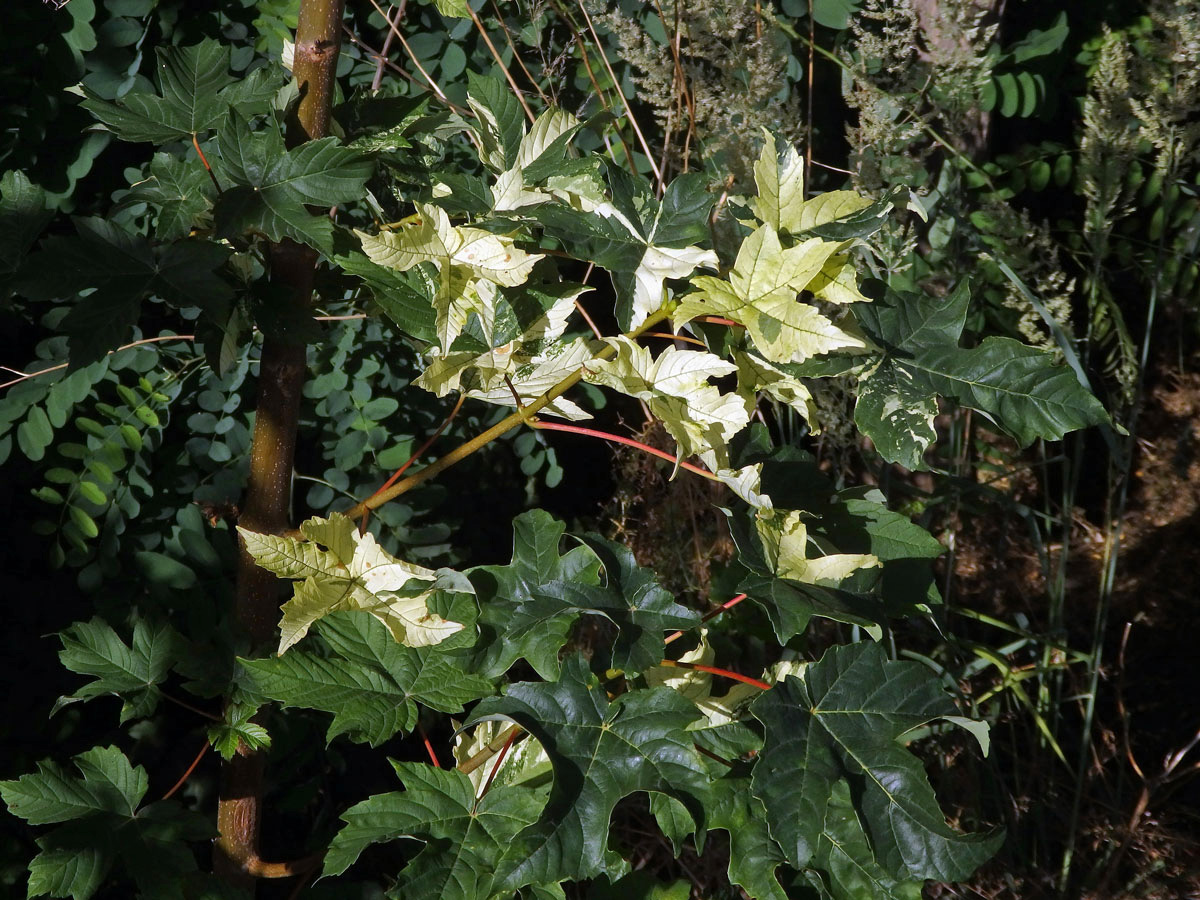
point(272, 452)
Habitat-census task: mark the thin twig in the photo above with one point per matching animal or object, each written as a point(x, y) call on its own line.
point(713, 670)
point(711, 614)
point(628, 442)
point(407, 49)
point(500, 62)
point(197, 710)
point(428, 746)
point(154, 340)
point(499, 762)
point(517, 56)
point(394, 19)
point(207, 168)
point(187, 772)
point(617, 87)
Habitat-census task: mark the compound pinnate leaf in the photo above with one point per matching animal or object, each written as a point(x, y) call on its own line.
point(272, 185)
point(842, 720)
point(101, 824)
point(600, 753)
point(464, 837)
point(352, 572)
point(371, 684)
point(130, 671)
point(198, 91)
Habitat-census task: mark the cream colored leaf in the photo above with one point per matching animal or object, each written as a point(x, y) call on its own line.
point(838, 282)
point(780, 182)
point(824, 208)
point(548, 127)
point(311, 599)
point(785, 545)
point(431, 238)
point(354, 573)
point(288, 557)
point(755, 375)
point(532, 377)
point(412, 624)
point(746, 482)
point(657, 265)
point(676, 389)
point(780, 203)
point(761, 295)
point(509, 192)
point(526, 757)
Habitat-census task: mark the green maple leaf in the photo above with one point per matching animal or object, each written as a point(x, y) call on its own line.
point(760, 293)
point(352, 572)
point(640, 240)
point(501, 120)
point(753, 855)
point(600, 752)
point(530, 606)
point(123, 269)
point(790, 603)
point(844, 856)
point(464, 837)
point(642, 610)
point(197, 93)
point(723, 732)
point(521, 615)
point(842, 720)
point(1018, 387)
point(180, 190)
point(238, 730)
point(407, 298)
point(272, 185)
point(100, 822)
point(371, 684)
point(130, 671)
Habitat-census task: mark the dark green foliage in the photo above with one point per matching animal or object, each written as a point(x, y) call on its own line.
point(130, 462)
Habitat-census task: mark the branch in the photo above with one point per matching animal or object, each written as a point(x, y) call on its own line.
point(505, 425)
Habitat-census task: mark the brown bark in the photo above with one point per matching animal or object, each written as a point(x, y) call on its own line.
point(272, 451)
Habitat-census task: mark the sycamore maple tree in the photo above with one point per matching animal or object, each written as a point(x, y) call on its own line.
point(803, 765)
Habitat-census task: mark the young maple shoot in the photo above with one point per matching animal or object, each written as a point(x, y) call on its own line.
point(811, 777)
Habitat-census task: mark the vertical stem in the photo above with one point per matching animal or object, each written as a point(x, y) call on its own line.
point(272, 451)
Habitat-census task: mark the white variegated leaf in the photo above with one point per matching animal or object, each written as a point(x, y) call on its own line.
point(785, 545)
point(352, 573)
point(760, 294)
